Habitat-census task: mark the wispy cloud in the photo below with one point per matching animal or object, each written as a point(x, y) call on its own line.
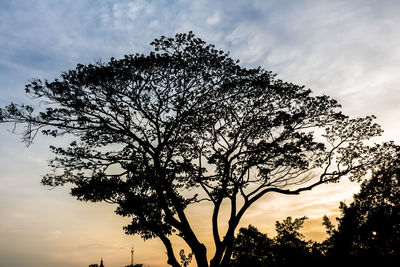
point(347, 49)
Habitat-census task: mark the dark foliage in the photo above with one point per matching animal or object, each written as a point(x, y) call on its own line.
point(149, 127)
point(287, 248)
point(368, 233)
point(370, 225)
point(252, 248)
point(290, 246)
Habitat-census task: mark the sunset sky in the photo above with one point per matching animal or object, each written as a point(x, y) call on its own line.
point(347, 49)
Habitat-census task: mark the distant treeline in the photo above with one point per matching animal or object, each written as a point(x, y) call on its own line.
point(367, 234)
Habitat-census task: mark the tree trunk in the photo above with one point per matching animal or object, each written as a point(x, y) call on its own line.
point(200, 253)
point(218, 255)
point(170, 252)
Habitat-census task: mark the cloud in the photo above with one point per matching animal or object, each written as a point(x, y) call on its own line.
point(347, 49)
point(54, 235)
point(214, 19)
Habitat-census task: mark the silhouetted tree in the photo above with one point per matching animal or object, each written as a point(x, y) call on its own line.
point(370, 225)
point(288, 232)
point(252, 248)
point(290, 243)
point(287, 248)
point(149, 127)
point(291, 248)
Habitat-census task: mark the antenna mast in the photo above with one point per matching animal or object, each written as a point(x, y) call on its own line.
point(132, 250)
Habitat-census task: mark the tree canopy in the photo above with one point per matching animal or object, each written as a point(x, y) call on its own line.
point(370, 225)
point(252, 248)
point(287, 248)
point(147, 128)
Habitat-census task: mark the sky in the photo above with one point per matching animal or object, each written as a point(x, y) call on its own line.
point(349, 50)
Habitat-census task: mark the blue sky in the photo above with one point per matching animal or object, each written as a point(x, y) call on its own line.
point(349, 50)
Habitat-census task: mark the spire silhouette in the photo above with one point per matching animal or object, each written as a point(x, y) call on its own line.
point(132, 250)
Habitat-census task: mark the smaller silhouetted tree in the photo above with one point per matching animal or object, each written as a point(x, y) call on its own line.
point(288, 234)
point(290, 245)
point(252, 248)
point(287, 248)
